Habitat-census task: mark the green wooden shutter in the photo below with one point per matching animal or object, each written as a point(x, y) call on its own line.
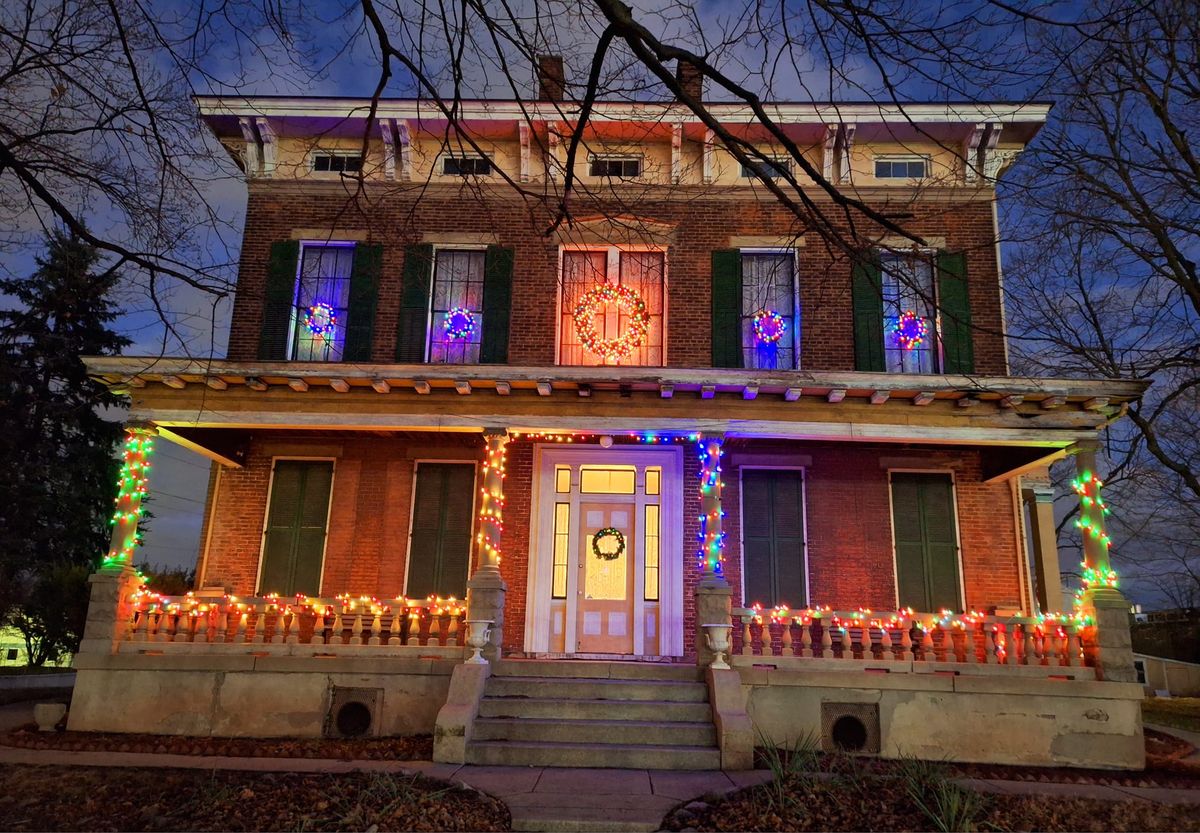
point(414, 303)
point(497, 305)
point(294, 538)
point(364, 295)
point(278, 298)
point(958, 348)
point(439, 553)
point(773, 537)
point(866, 296)
point(727, 308)
point(926, 541)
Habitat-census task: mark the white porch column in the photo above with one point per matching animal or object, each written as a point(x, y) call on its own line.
point(485, 589)
point(1110, 649)
point(1038, 496)
point(713, 591)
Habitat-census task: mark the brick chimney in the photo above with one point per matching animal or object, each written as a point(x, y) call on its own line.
point(550, 77)
point(690, 80)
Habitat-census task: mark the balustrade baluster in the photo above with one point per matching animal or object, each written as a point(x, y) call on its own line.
point(376, 629)
point(1073, 647)
point(338, 635)
point(162, 626)
point(847, 643)
point(991, 645)
point(806, 639)
point(826, 640)
point(747, 638)
point(927, 653)
point(1011, 644)
point(243, 622)
point(885, 643)
point(785, 638)
point(906, 646)
point(259, 625)
point(394, 628)
point(356, 628)
point(222, 633)
point(413, 637)
point(183, 627)
point(435, 628)
point(292, 632)
point(454, 635)
point(139, 626)
point(201, 626)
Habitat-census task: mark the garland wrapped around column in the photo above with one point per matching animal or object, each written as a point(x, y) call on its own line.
point(131, 489)
point(710, 535)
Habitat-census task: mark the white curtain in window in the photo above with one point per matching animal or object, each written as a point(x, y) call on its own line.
point(457, 284)
point(908, 287)
point(769, 284)
point(324, 279)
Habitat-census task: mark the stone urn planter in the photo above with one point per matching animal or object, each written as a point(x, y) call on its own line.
point(47, 715)
point(716, 636)
point(479, 631)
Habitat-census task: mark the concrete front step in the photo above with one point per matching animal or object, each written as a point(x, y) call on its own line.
point(599, 755)
point(571, 688)
point(656, 710)
point(598, 670)
point(624, 732)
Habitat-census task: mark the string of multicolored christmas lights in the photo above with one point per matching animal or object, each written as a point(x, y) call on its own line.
point(491, 506)
point(711, 536)
point(592, 304)
point(132, 481)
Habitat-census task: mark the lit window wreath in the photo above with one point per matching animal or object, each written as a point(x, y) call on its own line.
point(593, 303)
point(459, 324)
point(910, 330)
point(769, 326)
point(608, 553)
point(320, 320)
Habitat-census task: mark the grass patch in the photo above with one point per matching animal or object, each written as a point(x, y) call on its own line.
point(93, 798)
point(1180, 712)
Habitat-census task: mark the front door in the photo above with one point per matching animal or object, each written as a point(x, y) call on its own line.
point(608, 557)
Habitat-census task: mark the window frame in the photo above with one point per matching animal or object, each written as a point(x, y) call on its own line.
point(612, 269)
point(262, 544)
point(294, 322)
point(481, 248)
point(412, 513)
point(602, 158)
point(931, 255)
point(803, 469)
point(445, 157)
point(908, 158)
point(958, 553)
point(338, 154)
point(774, 161)
point(794, 251)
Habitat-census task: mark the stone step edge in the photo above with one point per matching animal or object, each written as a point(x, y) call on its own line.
point(549, 745)
point(609, 681)
point(602, 721)
point(519, 698)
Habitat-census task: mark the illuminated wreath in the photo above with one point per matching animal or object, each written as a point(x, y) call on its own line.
point(608, 554)
point(769, 326)
point(910, 330)
point(593, 303)
point(459, 324)
point(320, 320)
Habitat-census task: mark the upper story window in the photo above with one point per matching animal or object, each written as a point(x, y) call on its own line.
point(620, 167)
point(325, 161)
point(322, 298)
point(769, 331)
point(776, 168)
point(910, 337)
point(623, 326)
point(466, 166)
point(901, 167)
point(456, 307)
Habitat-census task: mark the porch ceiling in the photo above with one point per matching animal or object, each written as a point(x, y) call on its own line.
point(1001, 411)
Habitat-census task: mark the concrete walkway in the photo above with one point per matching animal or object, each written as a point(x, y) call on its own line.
point(556, 799)
point(1183, 734)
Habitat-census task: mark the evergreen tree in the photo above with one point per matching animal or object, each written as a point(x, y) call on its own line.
point(57, 448)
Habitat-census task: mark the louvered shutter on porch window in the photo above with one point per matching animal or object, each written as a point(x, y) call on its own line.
point(727, 308)
point(497, 305)
point(364, 297)
point(926, 539)
point(279, 295)
point(866, 296)
point(439, 553)
point(958, 349)
point(773, 537)
point(414, 303)
point(294, 538)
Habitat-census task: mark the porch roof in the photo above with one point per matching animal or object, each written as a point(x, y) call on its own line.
point(1043, 416)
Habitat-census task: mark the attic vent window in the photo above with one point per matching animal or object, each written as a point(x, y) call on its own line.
point(771, 169)
point(901, 168)
point(337, 162)
point(618, 167)
point(466, 166)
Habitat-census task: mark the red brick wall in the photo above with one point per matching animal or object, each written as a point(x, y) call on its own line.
point(701, 224)
point(847, 499)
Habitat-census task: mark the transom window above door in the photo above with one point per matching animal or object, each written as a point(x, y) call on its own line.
point(612, 307)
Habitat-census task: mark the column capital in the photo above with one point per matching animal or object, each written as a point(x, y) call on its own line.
point(494, 432)
point(1088, 446)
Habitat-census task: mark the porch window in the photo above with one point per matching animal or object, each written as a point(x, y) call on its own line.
point(773, 537)
point(641, 271)
point(769, 294)
point(652, 535)
point(322, 300)
point(457, 307)
point(909, 297)
point(562, 538)
point(602, 480)
point(294, 533)
point(439, 549)
point(926, 535)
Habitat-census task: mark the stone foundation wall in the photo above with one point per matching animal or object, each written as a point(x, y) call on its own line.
point(966, 718)
point(249, 696)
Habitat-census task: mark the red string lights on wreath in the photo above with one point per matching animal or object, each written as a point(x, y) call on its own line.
point(593, 304)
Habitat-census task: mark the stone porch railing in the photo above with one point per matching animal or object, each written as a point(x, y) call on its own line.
point(300, 626)
point(1028, 646)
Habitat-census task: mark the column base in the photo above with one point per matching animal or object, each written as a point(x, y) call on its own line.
point(1111, 648)
point(713, 606)
point(485, 600)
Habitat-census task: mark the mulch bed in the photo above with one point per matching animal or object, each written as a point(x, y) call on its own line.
point(93, 798)
point(413, 748)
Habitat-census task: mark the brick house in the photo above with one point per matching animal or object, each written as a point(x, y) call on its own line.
point(676, 427)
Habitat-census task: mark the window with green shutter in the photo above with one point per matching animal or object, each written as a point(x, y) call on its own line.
point(727, 308)
point(294, 533)
point(866, 297)
point(439, 549)
point(926, 537)
point(414, 303)
point(773, 537)
point(958, 348)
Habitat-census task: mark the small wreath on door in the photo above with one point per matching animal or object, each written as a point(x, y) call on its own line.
point(614, 544)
